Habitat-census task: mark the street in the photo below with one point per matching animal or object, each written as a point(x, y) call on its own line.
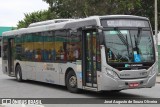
point(10, 88)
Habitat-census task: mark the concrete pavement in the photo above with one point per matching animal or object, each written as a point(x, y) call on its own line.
point(158, 79)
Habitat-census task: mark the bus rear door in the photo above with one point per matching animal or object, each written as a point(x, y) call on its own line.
point(10, 56)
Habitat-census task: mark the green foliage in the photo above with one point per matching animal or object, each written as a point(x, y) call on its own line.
point(84, 8)
point(36, 17)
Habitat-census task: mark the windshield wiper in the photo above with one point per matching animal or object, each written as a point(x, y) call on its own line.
point(139, 35)
point(137, 39)
point(122, 38)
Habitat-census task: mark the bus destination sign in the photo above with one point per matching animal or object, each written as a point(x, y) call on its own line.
point(124, 23)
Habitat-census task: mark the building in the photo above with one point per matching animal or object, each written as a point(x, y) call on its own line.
point(3, 29)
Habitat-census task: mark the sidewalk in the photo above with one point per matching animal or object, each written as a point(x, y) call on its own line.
point(158, 79)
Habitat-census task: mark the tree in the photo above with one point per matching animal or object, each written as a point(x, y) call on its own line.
point(36, 17)
point(85, 8)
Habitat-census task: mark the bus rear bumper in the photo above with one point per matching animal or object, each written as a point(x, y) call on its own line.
point(109, 83)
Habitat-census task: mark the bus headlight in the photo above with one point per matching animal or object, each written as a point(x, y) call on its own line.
point(153, 71)
point(111, 73)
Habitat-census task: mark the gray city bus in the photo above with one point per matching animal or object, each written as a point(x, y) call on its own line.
point(97, 53)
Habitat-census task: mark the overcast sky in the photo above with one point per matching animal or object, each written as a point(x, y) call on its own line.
point(11, 11)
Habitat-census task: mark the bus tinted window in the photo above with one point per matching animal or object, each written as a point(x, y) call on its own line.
point(19, 47)
point(74, 46)
point(28, 47)
point(49, 53)
point(38, 46)
point(5, 48)
point(60, 45)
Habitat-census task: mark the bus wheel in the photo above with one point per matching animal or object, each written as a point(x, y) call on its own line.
point(18, 73)
point(71, 82)
point(116, 91)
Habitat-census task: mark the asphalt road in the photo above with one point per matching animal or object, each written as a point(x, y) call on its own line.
point(10, 88)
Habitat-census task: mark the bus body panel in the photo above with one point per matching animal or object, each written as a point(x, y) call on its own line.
point(76, 67)
point(109, 83)
point(108, 78)
point(53, 73)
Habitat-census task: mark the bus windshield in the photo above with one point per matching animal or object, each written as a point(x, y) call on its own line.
point(131, 46)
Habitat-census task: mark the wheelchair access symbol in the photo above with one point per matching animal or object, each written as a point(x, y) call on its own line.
point(137, 58)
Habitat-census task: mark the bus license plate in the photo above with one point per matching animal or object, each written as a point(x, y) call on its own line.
point(133, 85)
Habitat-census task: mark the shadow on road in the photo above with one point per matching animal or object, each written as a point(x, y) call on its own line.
point(112, 94)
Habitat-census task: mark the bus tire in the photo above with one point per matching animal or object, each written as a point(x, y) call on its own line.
point(116, 91)
point(71, 82)
point(18, 73)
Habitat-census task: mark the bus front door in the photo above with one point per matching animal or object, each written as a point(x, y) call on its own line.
point(10, 56)
point(90, 58)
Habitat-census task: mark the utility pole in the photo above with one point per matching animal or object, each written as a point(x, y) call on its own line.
point(156, 24)
point(156, 30)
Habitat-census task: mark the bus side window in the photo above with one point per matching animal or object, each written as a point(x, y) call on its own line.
point(28, 47)
point(48, 51)
point(74, 46)
point(18, 47)
point(38, 46)
point(5, 48)
point(60, 45)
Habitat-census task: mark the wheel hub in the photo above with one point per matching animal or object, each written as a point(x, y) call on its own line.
point(72, 81)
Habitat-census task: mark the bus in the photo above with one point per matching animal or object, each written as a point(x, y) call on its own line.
point(97, 53)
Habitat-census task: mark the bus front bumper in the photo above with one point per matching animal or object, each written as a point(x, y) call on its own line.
point(109, 83)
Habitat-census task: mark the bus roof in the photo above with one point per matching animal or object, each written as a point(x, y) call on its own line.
point(49, 22)
point(71, 24)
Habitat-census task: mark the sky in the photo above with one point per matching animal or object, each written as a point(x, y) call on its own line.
point(12, 11)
